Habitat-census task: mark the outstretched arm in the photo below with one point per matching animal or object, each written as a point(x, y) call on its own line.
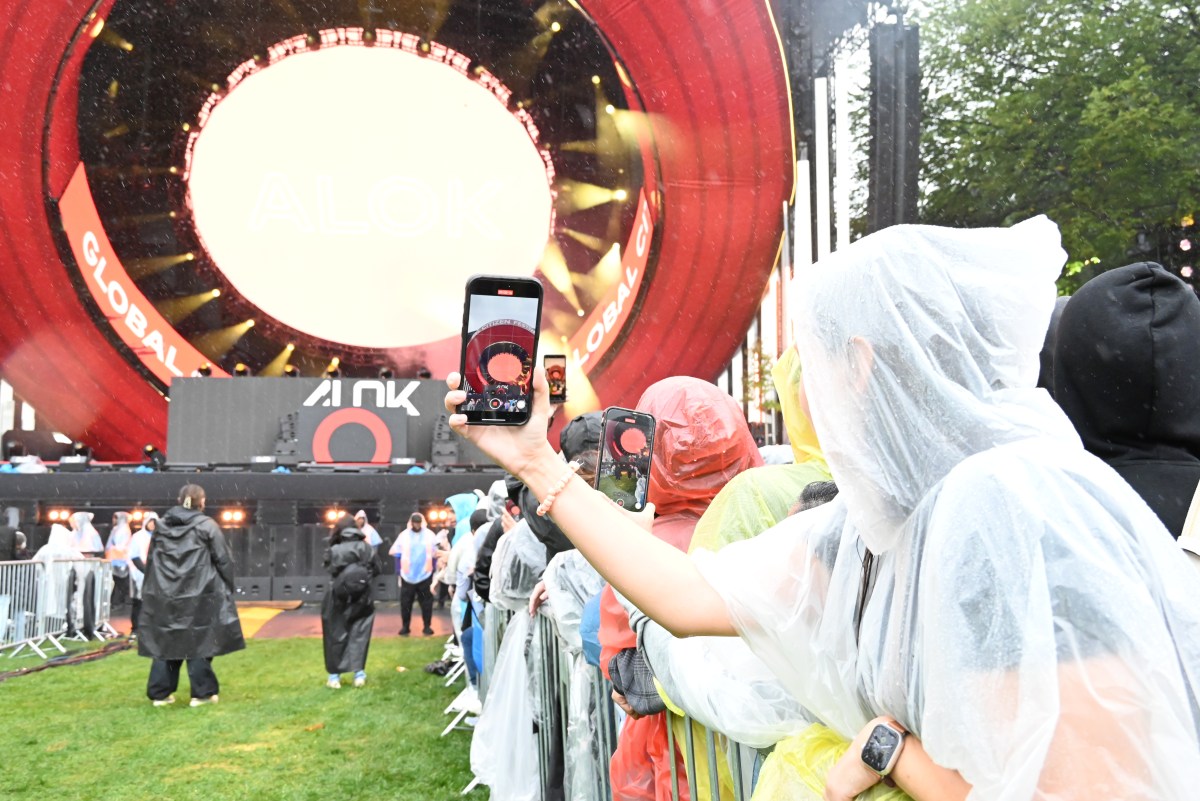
point(659, 579)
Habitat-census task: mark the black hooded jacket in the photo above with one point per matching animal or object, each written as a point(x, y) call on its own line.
point(188, 608)
point(1127, 373)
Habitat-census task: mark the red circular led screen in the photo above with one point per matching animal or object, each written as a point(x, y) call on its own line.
point(706, 227)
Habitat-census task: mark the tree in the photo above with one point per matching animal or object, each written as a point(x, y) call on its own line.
point(1083, 110)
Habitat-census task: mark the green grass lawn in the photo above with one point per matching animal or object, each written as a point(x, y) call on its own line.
point(87, 731)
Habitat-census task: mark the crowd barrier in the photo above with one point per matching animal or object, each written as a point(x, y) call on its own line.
point(571, 693)
point(43, 604)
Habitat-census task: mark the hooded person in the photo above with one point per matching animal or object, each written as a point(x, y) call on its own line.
point(348, 608)
point(1126, 373)
point(362, 524)
point(60, 555)
point(139, 551)
point(84, 536)
point(718, 680)
point(701, 442)
point(497, 511)
point(981, 582)
point(116, 553)
point(188, 609)
point(463, 503)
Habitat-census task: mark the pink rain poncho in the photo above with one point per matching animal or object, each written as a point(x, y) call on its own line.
point(1026, 615)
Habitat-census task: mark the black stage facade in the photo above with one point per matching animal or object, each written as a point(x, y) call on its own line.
point(279, 545)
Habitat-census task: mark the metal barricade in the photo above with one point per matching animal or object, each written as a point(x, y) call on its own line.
point(728, 766)
point(23, 603)
point(556, 684)
point(495, 621)
point(718, 750)
point(43, 603)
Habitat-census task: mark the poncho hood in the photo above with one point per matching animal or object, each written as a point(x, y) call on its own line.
point(788, 378)
point(930, 336)
point(701, 441)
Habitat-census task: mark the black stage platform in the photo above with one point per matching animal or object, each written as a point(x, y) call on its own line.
point(279, 547)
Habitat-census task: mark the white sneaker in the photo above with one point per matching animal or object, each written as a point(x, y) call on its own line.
point(360, 681)
point(212, 699)
point(170, 699)
point(334, 684)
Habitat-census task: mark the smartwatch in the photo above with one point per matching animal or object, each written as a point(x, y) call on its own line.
point(882, 749)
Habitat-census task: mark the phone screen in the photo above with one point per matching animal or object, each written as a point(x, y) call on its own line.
point(626, 443)
point(556, 377)
point(499, 341)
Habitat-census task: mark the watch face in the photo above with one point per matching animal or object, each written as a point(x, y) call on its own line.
point(882, 743)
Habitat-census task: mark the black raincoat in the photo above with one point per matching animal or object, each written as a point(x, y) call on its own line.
point(188, 609)
point(346, 624)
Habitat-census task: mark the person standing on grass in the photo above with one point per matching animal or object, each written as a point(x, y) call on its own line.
point(348, 610)
point(413, 550)
point(188, 610)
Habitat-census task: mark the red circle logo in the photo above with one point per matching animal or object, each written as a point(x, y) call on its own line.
point(371, 421)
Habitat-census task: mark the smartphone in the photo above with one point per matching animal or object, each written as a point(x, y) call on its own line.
point(556, 376)
point(501, 318)
point(626, 443)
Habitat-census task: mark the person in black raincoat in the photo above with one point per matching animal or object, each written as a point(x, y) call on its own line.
point(348, 610)
point(188, 610)
point(1125, 362)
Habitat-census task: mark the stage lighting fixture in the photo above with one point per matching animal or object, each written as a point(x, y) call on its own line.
point(137, 515)
point(154, 457)
point(386, 373)
point(595, 80)
point(333, 514)
point(610, 109)
point(555, 26)
point(216, 293)
point(58, 515)
point(241, 370)
point(290, 371)
point(620, 194)
point(424, 372)
point(233, 517)
point(205, 370)
point(438, 514)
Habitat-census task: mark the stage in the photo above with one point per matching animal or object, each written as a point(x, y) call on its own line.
point(279, 545)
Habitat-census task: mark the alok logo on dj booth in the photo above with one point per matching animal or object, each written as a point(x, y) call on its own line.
point(365, 394)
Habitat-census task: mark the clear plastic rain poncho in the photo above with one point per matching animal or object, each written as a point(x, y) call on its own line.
point(1027, 616)
point(570, 582)
point(504, 750)
point(517, 565)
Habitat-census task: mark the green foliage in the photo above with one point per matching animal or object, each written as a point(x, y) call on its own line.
point(87, 731)
point(1085, 111)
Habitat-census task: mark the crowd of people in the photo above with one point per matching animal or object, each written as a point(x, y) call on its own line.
point(966, 585)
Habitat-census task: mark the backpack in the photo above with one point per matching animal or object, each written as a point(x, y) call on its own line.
point(352, 582)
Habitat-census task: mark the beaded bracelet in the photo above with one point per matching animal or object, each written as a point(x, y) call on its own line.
point(544, 507)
